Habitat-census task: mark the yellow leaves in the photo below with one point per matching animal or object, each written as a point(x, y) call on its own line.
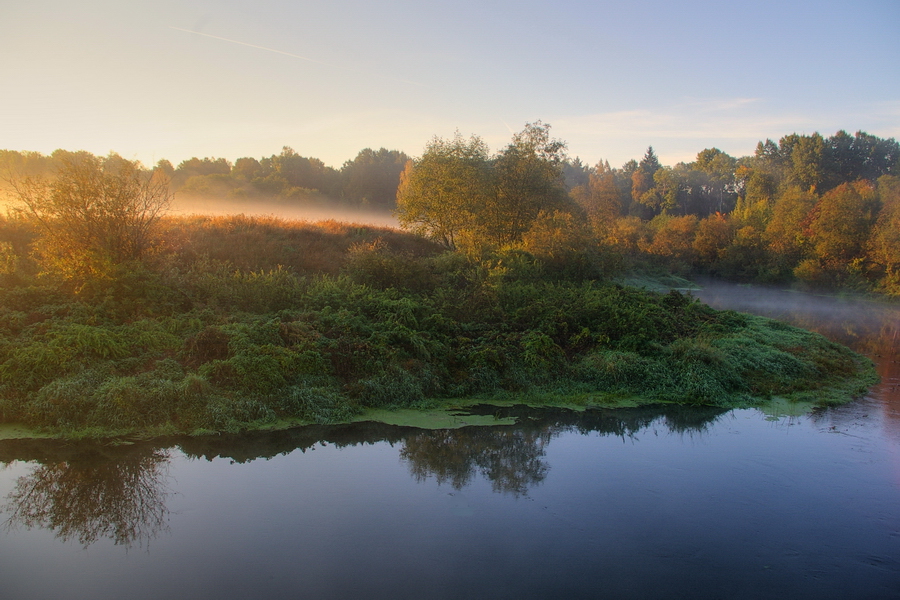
point(8, 259)
point(96, 213)
point(556, 234)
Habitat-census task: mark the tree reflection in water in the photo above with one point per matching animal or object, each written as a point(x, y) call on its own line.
point(120, 496)
point(511, 458)
point(89, 492)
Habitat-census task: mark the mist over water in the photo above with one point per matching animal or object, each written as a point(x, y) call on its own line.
point(853, 321)
point(869, 327)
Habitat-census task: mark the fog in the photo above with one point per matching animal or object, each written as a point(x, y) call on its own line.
point(183, 205)
point(864, 325)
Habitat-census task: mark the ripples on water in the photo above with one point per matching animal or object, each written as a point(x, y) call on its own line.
point(674, 502)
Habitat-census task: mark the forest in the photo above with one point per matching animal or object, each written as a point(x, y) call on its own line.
point(117, 318)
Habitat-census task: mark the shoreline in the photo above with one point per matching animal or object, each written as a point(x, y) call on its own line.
point(453, 414)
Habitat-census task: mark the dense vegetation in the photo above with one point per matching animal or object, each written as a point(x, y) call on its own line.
point(117, 319)
point(821, 212)
point(189, 340)
point(807, 209)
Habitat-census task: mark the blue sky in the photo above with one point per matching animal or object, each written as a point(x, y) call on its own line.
point(232, 78)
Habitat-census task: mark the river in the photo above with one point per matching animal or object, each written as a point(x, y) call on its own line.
point(639, 503)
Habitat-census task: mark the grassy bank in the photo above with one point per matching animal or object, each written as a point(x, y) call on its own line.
point(243, 323)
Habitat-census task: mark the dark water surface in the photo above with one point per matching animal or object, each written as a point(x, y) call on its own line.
point(643, 503)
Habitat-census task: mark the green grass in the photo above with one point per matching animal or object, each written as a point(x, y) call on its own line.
point(191, 346)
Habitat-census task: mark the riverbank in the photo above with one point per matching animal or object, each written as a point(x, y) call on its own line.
point(392, 337)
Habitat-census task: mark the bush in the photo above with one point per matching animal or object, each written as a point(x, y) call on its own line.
point(205, 346)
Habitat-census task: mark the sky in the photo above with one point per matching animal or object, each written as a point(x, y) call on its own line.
point(232, 78)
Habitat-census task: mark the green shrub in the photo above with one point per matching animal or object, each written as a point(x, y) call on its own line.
point(199, 344)
point(317, 405)
point(394, 388)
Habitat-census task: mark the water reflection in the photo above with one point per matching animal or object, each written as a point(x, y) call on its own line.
point(89, 492)
point(511, 459)
point(94, 494)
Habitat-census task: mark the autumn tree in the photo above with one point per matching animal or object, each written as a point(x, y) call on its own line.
point(714, 236)
point(246, 169)
point(601, 199)
point(458, 194)
point(754, 205)
point(528, 180)
point(843, 220)
point(747, 257)
point(669, 193)
point(715, 185)
point(628, 236)
point(860, 156)
point(884, 241)
point(302, 174)
point(807, 161)
point(557, 237)
point(198, 168)
point(441, 191)
point(673, 239)
point(642, 183)
point(788, 231)
point(95, 213)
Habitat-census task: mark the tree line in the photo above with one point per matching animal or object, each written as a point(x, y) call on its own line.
point(823, 211)
point(367, 181)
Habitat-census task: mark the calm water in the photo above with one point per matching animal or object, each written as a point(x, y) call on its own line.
point(629, 504)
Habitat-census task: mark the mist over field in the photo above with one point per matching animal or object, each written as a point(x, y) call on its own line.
point(184, 205)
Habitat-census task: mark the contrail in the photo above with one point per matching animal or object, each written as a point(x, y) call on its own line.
point(306, 58)
point(215, 37)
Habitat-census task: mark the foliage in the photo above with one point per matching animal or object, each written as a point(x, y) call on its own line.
point(790, 206)
point(884, 242)
point(206, 346)
point(527, 182)
point(456, 194)
point(441, 192)
point(201, 323)
point(94, 214)
point(371, 179)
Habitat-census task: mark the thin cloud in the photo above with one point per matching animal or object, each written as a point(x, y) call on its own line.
point(720, 104)
point(678, 131)
point(732, 119)
point(681, 122)
point(290, 54)
point(216, 37)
